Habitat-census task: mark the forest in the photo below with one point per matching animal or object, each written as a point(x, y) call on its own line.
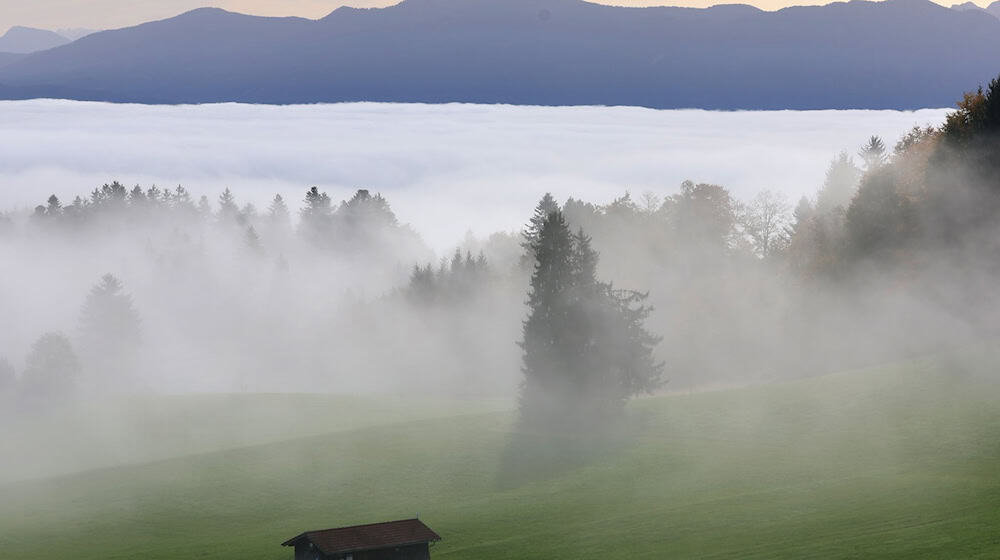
point(150, 289)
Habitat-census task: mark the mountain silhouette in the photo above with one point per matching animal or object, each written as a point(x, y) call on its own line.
point(23, 40)
point(993, 9)
point(899, 54)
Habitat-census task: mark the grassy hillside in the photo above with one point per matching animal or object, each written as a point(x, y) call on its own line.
point(139, 430)
point(895, 463)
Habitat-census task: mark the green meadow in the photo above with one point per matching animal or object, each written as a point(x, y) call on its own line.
point(892, 462)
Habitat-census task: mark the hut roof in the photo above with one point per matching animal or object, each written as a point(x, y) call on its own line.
point(367, 537)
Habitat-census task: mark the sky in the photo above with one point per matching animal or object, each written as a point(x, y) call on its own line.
point(108, 14)
point(446, 169)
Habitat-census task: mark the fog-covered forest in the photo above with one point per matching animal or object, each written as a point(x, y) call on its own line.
point(152, 289)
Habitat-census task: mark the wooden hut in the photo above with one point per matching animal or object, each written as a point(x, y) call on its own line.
point(408, 539)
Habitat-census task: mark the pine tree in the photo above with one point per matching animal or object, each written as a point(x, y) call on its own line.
point(228, 210)
point(840, 185)
point(54, 209)
point(873, 154)
point(584, 261)
point(110, 332)
point(51, 369)
point(278, 214)
point(154, 196)
point(248, 214)
point(252, 241)
point(75, 213)
point(204, 209)
point(585, 347)
point(547, 205)
point(182, 203)
point(315, 216)
point(422, 287)
point(366, 222)
point(546, 352)
point(137, 197)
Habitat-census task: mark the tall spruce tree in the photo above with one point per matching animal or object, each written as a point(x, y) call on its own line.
point(110, 333)
point(547, 353)
point(229, 211)
point(840, 185)
point(585, 348)
point(278, 215)
point(316, 216)
point(545, 206)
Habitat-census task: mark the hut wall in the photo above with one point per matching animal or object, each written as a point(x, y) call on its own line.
point(412, 552)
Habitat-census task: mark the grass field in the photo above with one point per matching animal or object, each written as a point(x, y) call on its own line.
point(900, 462)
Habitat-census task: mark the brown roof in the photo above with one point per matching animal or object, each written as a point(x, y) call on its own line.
point(368, 537)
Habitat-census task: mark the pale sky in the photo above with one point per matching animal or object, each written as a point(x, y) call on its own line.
point(108, 14)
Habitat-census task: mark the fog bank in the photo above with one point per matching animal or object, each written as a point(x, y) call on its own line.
point(446, 168)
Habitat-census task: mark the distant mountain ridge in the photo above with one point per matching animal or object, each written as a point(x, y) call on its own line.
point(993, 9)
point(899, 54)
point(24, 40)
point(20, 40)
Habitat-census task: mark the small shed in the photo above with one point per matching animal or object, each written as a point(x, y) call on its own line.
point(408, 539)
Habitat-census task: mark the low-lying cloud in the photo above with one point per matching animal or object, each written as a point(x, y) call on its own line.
point(446, 169)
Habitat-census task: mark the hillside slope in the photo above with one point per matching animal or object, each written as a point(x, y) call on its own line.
point(7, 58)
point(898, 54)
point(893, 463)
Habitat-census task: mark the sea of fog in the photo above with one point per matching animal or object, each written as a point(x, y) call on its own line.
point(446, 169)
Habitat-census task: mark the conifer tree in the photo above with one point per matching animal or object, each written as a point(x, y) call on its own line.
point(546, 355)
point(315, 216)
point(252, 241)
point(840, 185)
point(278, 214)
point(585, 347)
point(154, 196)
point(54, 207)
point(75, 213)
point(110, 332)
point(51, 368)
point(873, 154)
point(228, 209)
point(545, 206)
point(137, 197)
point(204, 209)
point(584, 261)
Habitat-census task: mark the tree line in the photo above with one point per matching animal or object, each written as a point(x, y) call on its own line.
point(716, 285)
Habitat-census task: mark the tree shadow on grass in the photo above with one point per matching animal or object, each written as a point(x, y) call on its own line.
point(535, 454)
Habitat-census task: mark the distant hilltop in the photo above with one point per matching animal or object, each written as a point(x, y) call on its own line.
point(897, 54)
point(25, 40)
point(993, 9)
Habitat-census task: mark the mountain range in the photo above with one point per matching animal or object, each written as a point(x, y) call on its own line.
point(19, 42)
point(23, 40)
point(897, 54)
point(993, 9)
